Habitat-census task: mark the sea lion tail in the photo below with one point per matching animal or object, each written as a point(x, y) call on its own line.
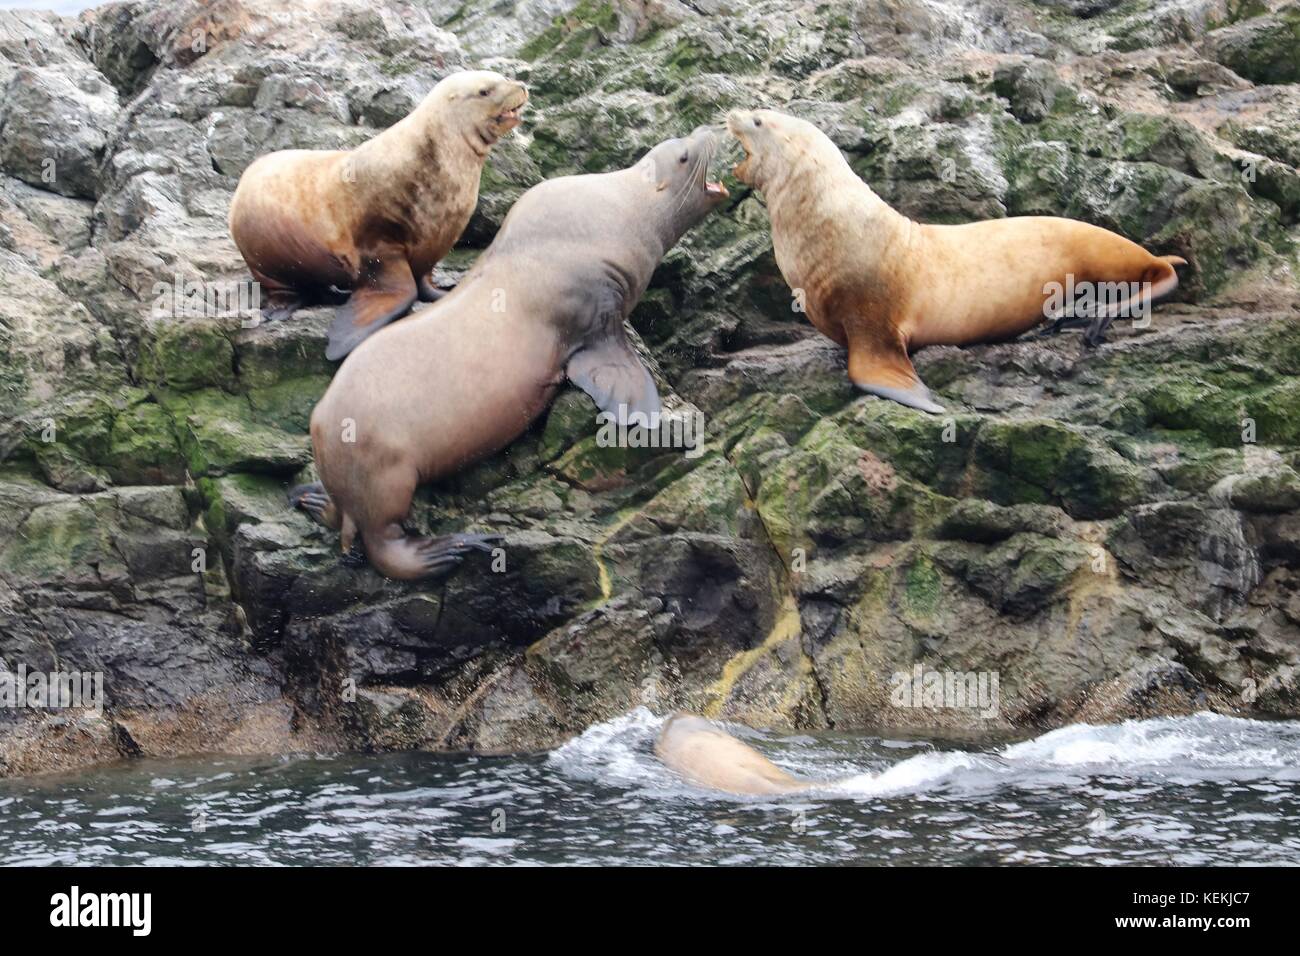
point(1163, 277)
point(1159, 280)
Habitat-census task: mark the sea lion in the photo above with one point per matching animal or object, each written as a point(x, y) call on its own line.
point(708, 756)
point(882, 285)
point(317, 225)
point(464, 377)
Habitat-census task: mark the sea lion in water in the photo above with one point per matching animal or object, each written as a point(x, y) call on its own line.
point(882, 285)
point(314, 225)
point(464, 377)
point(708, 756)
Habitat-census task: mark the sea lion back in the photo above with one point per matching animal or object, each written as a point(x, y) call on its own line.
point(708, 756)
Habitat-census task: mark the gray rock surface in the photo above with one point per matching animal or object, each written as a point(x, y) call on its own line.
point(1114, 533)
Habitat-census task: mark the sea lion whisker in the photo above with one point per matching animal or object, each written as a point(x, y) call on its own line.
point(697, 178)
point(706, 159)
point(685, 190)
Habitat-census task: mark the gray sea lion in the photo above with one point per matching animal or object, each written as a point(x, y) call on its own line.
point(464, 377)
point(369, 224)
point(708, 756)
point(882, 285)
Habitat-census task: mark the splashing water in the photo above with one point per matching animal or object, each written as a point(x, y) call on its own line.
point(1192, 790)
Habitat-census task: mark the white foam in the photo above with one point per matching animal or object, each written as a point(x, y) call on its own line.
point(1202, 740)
point(922, 772)
point(1203, 746)
point(618, 752)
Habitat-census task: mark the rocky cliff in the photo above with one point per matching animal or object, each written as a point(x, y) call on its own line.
point(1112, 532)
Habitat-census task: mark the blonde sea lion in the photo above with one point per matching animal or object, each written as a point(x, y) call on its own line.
point(369, 224)
point(882, 285)
point(708, 756)
point(464, 377)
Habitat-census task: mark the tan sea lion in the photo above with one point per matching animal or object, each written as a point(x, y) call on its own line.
point(315, 225)
point(882, 285)
point(464, 377)
point(708, 756)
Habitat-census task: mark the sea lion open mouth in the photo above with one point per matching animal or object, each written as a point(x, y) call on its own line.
point(507, 120)
point(713, 187)
point(512, 115)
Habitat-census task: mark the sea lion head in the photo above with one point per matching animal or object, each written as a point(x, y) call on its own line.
point(774, 143)
point(484, 105)
point(677, 172)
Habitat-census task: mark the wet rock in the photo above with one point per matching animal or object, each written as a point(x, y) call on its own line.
point(1020, 575)
point(510, 713)
point(394, 718)
point(1030, 89)
point(1082, 8)
point(1150, 689)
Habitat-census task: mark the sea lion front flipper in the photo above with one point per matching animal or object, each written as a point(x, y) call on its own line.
point(888, 372)
point(610, 372)
point(385, 291)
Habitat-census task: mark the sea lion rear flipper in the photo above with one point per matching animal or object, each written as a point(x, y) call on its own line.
point(281, 300)
point(385, 291)
point(610, 372)
point(408, 558)
point(888, 372)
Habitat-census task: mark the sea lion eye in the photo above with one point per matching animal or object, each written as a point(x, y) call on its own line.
point(484, 92)
point(757, 121)
point(685, 157)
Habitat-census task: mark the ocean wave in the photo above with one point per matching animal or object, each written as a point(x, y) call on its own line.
point(1181, 750)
